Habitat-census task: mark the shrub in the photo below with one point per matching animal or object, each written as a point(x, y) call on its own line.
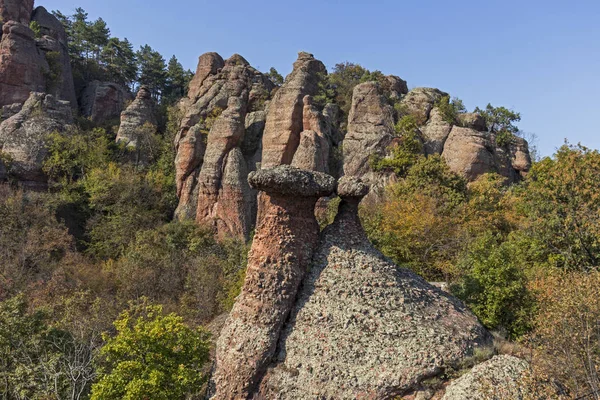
point(152, 356)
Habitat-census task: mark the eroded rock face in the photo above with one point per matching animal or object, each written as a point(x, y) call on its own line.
point(24, 136)
point(363, 327)
point(103, 101)
point(281, 251)
point(54, 43)
point(435, 133)
point(22, 64)
point(285, 120)
point(497, 378)
point(211, 128)
point(472, 120)
point(16, 10)
point(420, 101)
point(370, 132)
point(139, 115)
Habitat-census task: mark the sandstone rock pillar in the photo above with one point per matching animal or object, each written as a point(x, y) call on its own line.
point(281, 252)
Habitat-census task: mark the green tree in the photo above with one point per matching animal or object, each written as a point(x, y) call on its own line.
point(120, 61)
point(152, 356)
point(152, 70)
point(499, 119)
point(275, 76)
point(450, 109)
point(177, 81)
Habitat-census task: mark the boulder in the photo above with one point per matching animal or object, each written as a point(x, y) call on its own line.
point(470, 153)
point(520, 158)
point(24, 136)
point(496, 379)
point(420, 101)
point(23, 65)
point(473, 121)
point(281, 251)
point(103, 102)
point(208, 64)
point(134, 120)
point(285, 118)
point(361, 327)
point(16, 10)
point(370, 132)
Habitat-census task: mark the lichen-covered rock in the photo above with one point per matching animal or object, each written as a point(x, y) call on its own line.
point(370, 133)
point(215, 83)
point(363, 328)
point(495, 379)
point(103, 101)
point(22, 64)
point(24, 136)
point(16, 10)
point(435, 133)
point(285, 120)
point(140, 112)
point(281, 251)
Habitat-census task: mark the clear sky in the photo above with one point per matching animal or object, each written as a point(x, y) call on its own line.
point(541, 58)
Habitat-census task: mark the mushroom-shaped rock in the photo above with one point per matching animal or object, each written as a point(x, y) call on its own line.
point(361, 327)
point(281, 252)
point(497, 378)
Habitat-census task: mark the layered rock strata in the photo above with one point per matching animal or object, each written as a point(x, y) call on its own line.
point(281, 252)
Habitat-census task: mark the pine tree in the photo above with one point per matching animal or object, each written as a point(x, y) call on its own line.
point(152, 70)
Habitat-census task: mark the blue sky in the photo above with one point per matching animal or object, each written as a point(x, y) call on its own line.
point(541, 58)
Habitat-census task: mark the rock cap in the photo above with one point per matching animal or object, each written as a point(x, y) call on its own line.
point(352, 187)
point(291, 181)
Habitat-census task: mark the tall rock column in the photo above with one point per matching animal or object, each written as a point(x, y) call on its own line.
point(281, 252)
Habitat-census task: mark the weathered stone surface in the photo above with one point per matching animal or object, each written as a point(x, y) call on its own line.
point(472, 120)
point(140, 112)
point(519, 156)
point(54, 40)
point(215, 83)
point(8, 111)
point(470, 153)
point(420, 101)
point(363, 328)
point(370, 132)
point(281, 251)
point(24, 135)
point(225, 136)
point(16, 10)
point(285, 120)
point(497, 378)
point(22, 64)
point(397, 87)
point(435, 133)
point(103, 101)
point(208, 64)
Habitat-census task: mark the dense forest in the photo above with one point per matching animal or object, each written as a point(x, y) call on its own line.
point(104, 295)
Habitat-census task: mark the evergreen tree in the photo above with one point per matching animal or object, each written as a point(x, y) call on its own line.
point(120, 61)
point(153, 70)
point(177, 81)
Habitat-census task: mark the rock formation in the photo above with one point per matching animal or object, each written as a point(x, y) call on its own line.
point(280, 254)
point(370, 133)
point(29, 63)
point(137, 122)
point(497, 378)
point(16, 10)
point(225, 110)
point(363, 327)
point(103, 101)
point(24, 136)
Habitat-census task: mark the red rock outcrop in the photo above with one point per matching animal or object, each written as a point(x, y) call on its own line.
point(22, 64)
point(286, 111)
point(24, 136)
point(226, 110)
point(361, 327)
point(103, 101)
point(280, 254)
point(16, 10)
